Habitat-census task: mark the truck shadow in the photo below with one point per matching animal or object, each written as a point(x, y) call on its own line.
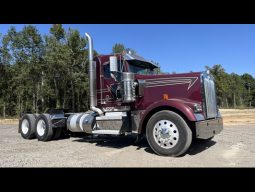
point(198, 147)
point(108, 141)
point(126, 141)
point(195, 148)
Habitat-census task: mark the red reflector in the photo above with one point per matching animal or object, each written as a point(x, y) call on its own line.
point(165, 96)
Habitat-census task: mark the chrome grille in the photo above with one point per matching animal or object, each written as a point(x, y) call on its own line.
point(210, 96)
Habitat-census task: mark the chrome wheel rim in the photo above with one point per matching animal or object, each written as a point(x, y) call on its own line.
point(41, 127)
point(25, 126)
point(166, 134)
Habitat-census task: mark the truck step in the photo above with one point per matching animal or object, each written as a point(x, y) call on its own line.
point(111, 116)
point(108, 118)
point(112, 121)
point(106, 132)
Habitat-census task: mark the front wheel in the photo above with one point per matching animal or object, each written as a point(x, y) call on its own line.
point(168, 134)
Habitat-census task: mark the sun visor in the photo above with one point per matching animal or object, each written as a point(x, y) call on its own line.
point(139, 61)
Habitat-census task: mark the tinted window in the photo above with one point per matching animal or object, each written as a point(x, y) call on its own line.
point(139, 70)
point(107, 73)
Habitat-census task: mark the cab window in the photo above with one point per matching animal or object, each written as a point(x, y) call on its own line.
point(107, 72)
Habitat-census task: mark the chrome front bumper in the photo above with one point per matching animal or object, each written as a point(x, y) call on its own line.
point(209, 128)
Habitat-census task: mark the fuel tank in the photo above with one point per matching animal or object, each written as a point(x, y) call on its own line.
point(81, 122)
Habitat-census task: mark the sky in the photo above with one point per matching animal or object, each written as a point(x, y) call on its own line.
point(176, 47)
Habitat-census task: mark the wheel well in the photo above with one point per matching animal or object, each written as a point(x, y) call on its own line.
point(161, 108)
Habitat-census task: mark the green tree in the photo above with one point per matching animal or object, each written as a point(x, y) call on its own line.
point(77, 70)
point(49, 72)
point(67, 68)
point(233, 90)
point(4, 76)
point(118, 48)
point(249, 84)
point(57, 31)
point(26, 48)
point(237, 90)
point(57, 57)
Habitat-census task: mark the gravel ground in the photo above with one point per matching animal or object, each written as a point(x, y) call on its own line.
point(234, 147)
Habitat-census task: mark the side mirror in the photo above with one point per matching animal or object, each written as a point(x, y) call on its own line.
point(113, 64)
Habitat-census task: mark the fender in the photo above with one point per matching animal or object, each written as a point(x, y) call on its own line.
point(180, 106)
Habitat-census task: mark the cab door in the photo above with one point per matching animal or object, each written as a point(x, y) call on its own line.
point(109, 86)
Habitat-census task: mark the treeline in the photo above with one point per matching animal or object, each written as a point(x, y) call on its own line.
point(38, 72)
point(233, 91)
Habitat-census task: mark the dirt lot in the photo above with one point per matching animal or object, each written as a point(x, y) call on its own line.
point(234, 147)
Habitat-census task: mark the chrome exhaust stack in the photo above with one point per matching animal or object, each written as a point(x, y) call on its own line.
point(92, 78)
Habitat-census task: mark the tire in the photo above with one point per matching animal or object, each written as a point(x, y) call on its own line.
point(27, 126)
point(168, 134)
point(57, 133)
point(43, 128)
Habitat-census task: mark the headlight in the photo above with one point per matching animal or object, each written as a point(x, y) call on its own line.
point(197, 108)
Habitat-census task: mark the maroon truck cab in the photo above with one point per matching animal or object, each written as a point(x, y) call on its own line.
point(191, 95)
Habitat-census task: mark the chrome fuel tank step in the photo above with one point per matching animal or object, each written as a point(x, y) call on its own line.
point(113, 121)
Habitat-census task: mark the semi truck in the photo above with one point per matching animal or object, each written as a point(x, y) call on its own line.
point(127, 96)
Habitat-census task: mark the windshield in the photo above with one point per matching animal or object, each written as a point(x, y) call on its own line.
point(138, 65)
point(140, 70)
point(136, 69)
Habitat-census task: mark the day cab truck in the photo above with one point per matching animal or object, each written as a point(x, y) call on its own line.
point(127, 97)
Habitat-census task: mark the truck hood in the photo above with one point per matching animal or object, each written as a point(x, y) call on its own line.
point(172, 79)
point(184, 87)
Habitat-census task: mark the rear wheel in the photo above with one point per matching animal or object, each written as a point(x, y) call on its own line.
point(168, 134)
point(44, 131)
point(27, 126)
